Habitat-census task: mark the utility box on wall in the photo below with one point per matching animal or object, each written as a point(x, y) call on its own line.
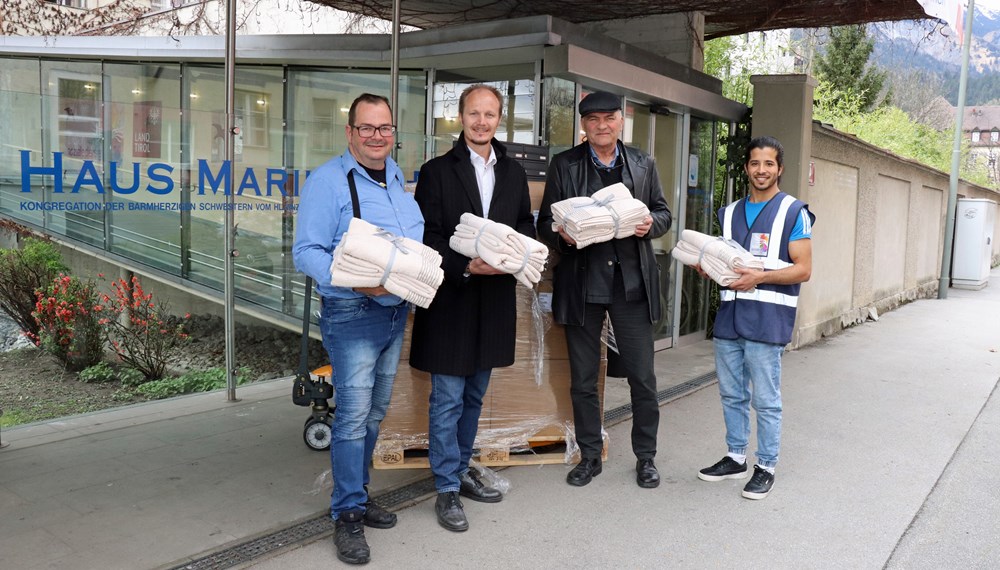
point(974, 220)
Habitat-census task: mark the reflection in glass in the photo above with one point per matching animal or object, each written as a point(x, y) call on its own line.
point(560, 112)
point(20, 129)
point(257, 174)
point(700, 185)
point(515, 82)
point(666, 147)
point(72, 107)
point(144, 130)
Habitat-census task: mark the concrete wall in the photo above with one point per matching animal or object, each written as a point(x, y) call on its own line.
point(678, 37)
point(879, 234)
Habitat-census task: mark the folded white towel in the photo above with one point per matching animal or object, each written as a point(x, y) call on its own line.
point(501, 247)
point(718, 257)
point(610, 213)
point(368, 256)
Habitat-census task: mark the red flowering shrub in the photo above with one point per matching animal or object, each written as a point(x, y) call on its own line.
point(67, 313)
point(138, 331)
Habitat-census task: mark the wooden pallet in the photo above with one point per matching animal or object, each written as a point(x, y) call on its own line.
point(393, 455)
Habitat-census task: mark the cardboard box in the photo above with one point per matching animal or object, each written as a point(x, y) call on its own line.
point(536, 189)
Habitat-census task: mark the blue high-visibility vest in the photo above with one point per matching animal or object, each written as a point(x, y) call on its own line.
point(766, 314)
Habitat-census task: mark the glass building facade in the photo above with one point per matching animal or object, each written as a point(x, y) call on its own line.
point(125, 158)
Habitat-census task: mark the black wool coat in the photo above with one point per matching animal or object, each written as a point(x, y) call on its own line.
point(471, 324)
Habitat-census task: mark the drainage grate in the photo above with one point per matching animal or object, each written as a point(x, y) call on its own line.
point(258, 547)
point(618, 414)
point(313, 528)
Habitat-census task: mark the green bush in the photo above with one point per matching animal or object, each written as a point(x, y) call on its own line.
point(197, 381)
point(130, 377)
point(122, 395)
point(104, 372)
point(22, 272)
point(100, 373)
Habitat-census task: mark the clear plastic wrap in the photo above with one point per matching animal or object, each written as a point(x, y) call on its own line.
point(525, 410)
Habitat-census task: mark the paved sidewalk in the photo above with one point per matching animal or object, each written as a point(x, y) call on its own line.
point(886, 460)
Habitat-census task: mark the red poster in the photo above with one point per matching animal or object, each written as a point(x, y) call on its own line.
point(146, 126)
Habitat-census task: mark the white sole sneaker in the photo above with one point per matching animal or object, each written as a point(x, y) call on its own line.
point(754, 496)
point(712, 478)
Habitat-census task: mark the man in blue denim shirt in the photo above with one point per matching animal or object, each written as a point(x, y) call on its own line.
point(363, 327)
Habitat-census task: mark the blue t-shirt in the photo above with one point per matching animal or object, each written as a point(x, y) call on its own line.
point(803, 225)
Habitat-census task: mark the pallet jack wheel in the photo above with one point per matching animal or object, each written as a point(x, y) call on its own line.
point(317, 434)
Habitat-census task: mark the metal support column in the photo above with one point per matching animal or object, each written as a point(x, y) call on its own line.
point(956, 156)
point(229, 296)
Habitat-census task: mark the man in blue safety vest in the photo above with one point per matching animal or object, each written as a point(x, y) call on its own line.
point(757, 314)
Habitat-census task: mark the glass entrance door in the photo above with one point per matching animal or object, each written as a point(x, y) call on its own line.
point(698, 214)
point(666, 145)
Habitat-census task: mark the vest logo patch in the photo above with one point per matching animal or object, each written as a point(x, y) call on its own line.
point(758, 244)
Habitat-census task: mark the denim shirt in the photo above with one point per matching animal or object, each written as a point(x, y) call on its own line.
point(325, 212)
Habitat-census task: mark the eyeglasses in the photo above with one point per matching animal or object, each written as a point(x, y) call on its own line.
point(368, 131)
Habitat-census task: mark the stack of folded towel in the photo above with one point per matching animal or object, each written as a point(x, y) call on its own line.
point(501, 247)
point(368, 256)
point(610, 213)
point(719, 257)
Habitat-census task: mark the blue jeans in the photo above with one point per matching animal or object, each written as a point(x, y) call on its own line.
point(455, 404)
point(363, 340)
point(750, 375)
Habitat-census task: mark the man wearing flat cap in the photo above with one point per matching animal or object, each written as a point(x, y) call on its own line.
point(618, 279)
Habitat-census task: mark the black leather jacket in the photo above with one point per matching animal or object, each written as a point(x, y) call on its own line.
point(566, 177)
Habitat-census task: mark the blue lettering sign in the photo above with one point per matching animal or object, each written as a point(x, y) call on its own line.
point(205, 175)
point(55, 171)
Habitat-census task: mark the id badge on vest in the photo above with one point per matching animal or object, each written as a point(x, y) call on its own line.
point(758, 244)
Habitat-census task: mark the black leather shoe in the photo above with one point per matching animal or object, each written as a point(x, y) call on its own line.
point(584, 471)
point(646, 474)
point(450, 513)
point(376, 516)
point(349, 538)
point(473, 488)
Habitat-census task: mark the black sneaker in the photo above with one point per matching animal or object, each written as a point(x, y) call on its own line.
point(760, 484)
point(349, 538)
point(376, 516)
point(726, 468)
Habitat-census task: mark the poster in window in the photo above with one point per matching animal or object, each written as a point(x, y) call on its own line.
point(147, 124)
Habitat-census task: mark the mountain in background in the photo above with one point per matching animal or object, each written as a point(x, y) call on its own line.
point(929, 48)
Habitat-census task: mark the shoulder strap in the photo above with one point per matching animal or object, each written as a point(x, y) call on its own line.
point(304, 347)
point(354, 194)
point(303, 371)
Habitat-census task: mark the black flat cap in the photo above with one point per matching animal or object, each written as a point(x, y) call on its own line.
point(600, 102)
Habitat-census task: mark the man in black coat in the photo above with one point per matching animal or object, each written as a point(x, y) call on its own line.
point(619, 278)
point(469, 329)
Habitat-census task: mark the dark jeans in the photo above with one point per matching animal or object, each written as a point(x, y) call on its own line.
point(634, 336)
point(455, 406)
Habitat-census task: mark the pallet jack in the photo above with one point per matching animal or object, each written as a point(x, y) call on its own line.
point(312, 389)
